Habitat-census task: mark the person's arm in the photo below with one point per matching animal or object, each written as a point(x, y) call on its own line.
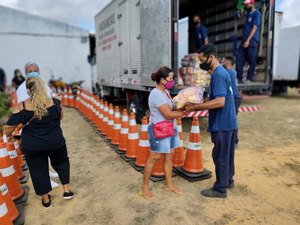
point(9, 129)
point(204, 34)
point(247, 42)
point(206, 41)
point(61, 114)
point(216, 103)
point(168, 113)
point(256, 24)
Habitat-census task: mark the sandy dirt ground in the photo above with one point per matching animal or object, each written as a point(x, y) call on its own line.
point(267, 177)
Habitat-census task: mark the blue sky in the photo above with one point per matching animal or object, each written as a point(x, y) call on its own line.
point(277, 4)
point(81, 12)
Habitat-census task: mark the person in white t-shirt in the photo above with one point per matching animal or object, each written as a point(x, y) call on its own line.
point(33, 70)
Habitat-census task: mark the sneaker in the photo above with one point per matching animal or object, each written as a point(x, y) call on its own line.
point(53, 184)
point(236, 141)
point(68, 195)
point(247, 82)
point(53, 174)
point(211, 193)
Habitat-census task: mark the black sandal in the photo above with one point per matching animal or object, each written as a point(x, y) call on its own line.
point(47, 204)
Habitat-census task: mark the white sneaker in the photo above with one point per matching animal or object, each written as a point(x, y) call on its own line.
point(53, 174)
point(53, 184)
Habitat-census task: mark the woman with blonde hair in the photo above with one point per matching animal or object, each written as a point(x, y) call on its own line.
point(42, 137)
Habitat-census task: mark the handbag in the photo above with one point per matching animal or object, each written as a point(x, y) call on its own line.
point(17, 137)
point(163, 129)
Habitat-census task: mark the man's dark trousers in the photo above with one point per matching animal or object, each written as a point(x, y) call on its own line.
point(223, 157)
point(249, 54)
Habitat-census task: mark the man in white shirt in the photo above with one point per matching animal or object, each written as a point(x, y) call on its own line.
point(33, 70)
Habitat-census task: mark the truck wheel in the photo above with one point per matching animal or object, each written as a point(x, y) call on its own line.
point(134, 106)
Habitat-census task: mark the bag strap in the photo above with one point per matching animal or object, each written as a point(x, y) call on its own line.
point(26, 124)
point(56, 108)
point(169, 96)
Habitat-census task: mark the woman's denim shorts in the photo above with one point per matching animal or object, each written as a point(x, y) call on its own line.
point(163, 145)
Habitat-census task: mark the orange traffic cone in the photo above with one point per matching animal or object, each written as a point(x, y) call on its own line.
point(71, 98)
point(101, 110)
point(4, 215)
point(178, 157)
point(132, 140)
point(105, 119)
point(93, 109)
point(124, 132)
point(116, 127)
point(193, 169)
point(97, 112)
point(10, 147)
point(144, 147)
point(9, 175)
point(110, 122)
point(76, 100)
point(12, 209)
point(65, 97)
point(84, 103)
point(89, 106)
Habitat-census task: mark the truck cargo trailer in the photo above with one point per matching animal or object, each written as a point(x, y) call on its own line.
point(135, 37)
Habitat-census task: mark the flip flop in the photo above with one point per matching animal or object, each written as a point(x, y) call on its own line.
point(142, 194)
point(176, 191)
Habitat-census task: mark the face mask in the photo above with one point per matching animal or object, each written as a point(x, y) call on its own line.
point(33, 74)
point(205, 65)
point(248, 8)
point(169, 84)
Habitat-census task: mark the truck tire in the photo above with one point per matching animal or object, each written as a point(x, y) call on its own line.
point(134, 106)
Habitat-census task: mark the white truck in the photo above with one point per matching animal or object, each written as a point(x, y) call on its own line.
point(287, 62)
point(135, 37)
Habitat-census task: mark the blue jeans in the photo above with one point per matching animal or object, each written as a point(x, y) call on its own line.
point(249, 54)
point(163, 145)
point(223, 157)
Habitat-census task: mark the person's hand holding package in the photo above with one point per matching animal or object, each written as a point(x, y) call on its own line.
point(188, 97)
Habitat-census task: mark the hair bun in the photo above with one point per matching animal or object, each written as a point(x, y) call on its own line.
point(154, 76)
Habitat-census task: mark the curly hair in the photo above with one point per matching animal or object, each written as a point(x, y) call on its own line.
point(38, 96)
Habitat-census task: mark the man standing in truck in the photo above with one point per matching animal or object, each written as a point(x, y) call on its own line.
point(201, 33)
point(250, 41)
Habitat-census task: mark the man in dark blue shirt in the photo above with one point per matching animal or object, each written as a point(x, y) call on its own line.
point(201, 34)
point(228, 63)
point(222, 121)
point(249, 44)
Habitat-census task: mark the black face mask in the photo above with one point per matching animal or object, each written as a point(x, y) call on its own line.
point(247, 8)
point(205, 65)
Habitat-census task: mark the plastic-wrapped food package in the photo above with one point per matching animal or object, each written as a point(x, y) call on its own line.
point(192, 94)
point(191, 73)
point(201, 78)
